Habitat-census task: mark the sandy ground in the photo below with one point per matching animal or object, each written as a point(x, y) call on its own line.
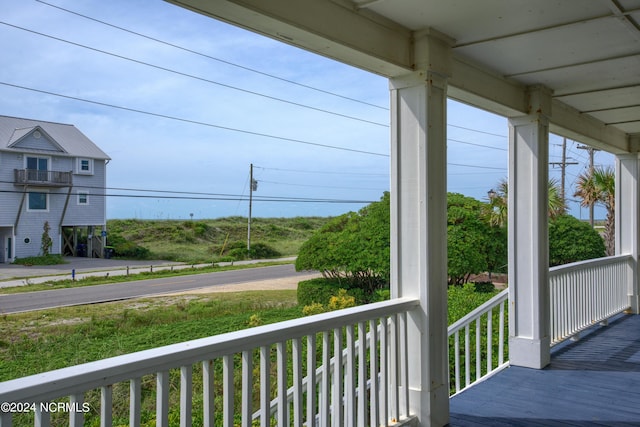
point(259, 285)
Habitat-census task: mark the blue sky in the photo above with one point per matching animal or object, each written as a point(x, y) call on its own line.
point(183, 104)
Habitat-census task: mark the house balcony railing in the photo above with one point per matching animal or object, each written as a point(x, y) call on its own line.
point(43, 178)
point(347, 367)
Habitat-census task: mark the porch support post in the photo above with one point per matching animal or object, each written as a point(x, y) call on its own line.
point(419, 226)
point(529, 315)
point(628, 216)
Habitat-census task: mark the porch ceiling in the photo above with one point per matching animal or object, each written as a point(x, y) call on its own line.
point(586, 52)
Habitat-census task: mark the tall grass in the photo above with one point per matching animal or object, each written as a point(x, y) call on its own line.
point(209, 239)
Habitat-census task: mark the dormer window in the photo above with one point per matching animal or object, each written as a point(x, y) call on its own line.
point(85, 166)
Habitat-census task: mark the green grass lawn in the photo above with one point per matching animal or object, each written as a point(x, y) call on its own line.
point(50, 339)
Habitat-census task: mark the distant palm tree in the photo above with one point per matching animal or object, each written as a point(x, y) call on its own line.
point(498, 201)
point(598, 186)
point(557, 205)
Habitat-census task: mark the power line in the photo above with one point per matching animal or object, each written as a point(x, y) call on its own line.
point(222, 84)
point(231, 86)
point(474, 173)
point(477, 145)
point(191, 76)
point(193, 193)
point(320, 186)
point(477, 130)
point(322, 172)
point(165, 116)
point(215, 58)
point(227, 86)
point(280, 199)
point(476, 166)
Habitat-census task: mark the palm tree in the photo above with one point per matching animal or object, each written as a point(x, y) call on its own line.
point(597, 185)
point(498, 204)
point(498, 201)
point(557, 205)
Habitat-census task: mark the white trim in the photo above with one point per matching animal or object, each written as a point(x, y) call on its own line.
point(79, 170)
point(46, 192)
point(80, 193)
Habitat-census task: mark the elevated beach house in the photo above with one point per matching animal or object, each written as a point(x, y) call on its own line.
point(51, 175)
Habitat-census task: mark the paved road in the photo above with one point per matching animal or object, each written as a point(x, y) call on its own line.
point(29, 301)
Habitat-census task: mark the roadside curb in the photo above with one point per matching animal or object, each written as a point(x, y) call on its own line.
point(124, 270)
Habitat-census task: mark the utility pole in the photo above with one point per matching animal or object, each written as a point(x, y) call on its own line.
point(563, 166)
point(253, 186)
point(591, 152)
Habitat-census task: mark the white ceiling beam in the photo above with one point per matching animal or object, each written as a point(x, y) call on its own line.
point(568, 122)
point(337, 30)
point(484, 89)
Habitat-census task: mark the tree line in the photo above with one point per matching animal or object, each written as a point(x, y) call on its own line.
point(353, 250)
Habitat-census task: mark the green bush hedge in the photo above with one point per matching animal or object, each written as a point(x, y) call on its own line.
point(320, 291)
point(130, 250)
point(572, 240)
point(238, 251)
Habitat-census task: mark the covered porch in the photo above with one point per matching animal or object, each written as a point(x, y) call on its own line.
point(571, 68)
point(590, 382)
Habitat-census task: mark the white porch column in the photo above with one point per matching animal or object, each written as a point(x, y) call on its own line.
point(529, 322)
point(627, 217)
point(419, 228)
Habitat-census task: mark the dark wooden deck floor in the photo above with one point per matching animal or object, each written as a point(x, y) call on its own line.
point(591, 382)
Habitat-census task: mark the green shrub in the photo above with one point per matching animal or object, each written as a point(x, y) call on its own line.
point(318, 291)
point(51, 259)
point(473, 245)
point(353, 247)
point(484, 287)
point(572, 240)
point(341, 300)
point(321, 291)
point(464, 299)
point(130, 250)
point(314, 308)
point(238, 251)
point(381, 295)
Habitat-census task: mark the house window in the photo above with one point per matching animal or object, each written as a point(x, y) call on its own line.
point(83, 198)
point(37, 168)
point(85, 166)
point(38, 202)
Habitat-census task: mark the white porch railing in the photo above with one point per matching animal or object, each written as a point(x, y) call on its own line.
point(587, 292)
point(341, 368)
point(481, 335)
point(365, 387)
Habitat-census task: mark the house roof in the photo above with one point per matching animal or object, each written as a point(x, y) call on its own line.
point(66, 137)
